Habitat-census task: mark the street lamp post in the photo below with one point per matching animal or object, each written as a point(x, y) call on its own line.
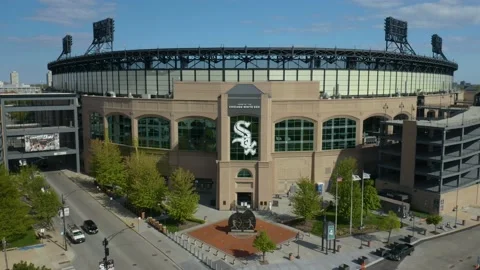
point(4, 244)
point(138, 227)
point(413, 224)
point(64, 224)
point(64, 197)
point(298, 238)
point(456, 204)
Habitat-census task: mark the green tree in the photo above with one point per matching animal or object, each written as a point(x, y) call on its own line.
point(434, 220)
point(146, 187)
point(264, 244)
point(371, 200)
point(182, 200)
point(306, 202)
point(29, 181)
point(45, 206)
point(345, 169)
point(22, 265)
point(107, 164)
point(345, 192)
point(389, 223)
point(14, 218)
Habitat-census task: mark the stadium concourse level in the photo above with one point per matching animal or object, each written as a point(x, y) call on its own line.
point(152, 73)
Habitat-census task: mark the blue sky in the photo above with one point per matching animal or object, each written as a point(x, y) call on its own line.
point(31, 30)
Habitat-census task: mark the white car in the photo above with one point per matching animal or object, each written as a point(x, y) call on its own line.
point(75, 234)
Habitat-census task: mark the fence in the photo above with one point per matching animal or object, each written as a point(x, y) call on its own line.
point(212, 258)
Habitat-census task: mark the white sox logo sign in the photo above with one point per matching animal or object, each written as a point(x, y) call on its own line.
point(245, 139)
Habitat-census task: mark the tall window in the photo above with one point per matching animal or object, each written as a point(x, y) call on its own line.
point(96, 126)
point(197, 134)
point(154, 132)
point(120, 129)
point(339, 133)
point(244, 139)
point(294, 135)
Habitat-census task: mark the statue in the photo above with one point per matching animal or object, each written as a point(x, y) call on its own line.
point(245, 221)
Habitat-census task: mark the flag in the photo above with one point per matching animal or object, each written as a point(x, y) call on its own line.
point(339, 179)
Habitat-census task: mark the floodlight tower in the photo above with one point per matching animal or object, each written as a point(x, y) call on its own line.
point(396, 33)
point(67, 42)
point(437, 49)
point(102, 37)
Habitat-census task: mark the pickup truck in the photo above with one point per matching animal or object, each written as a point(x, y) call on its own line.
point(75, 234)
point(400, 251)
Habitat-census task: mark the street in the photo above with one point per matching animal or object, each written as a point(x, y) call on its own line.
point(127, 248)
point(454, 251)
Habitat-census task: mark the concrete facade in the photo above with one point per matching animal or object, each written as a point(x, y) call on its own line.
point(273, 172)
point(436, 162)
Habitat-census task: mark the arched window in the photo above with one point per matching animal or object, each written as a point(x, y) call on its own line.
point(97, 130)
point(197, 134)
point(244, 139)
point(120, 129)
point(294, 135)
point(154, 132)
point(244, 173)
point(339, 133)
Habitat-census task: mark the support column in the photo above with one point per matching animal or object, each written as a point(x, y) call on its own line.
point(134, 130)
point(77, 141)
point(225, 185)
point(173, 133)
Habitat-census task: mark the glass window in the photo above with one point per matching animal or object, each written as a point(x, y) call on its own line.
point(154, 132)
point(244, 173)
point(294, 135)
point(120, 129)
point(339, 133)
point(96, 126)
point(244, 137)
point(197, 134)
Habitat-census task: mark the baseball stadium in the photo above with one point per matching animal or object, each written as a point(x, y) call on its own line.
point(250, 121)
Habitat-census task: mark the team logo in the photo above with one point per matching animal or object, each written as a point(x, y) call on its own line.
point(245, 137)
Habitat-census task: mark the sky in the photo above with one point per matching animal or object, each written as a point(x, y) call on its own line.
point(31, 31)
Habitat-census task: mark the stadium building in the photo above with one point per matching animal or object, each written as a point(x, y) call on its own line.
point(249, 122)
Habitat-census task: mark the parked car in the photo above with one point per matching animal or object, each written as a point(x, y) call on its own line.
point(400, 251)
point(90, 227)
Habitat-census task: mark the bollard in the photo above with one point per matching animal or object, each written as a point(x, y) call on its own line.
point(208, 249)
point(287, 244)
point(478, 218)
point(368, 243)
point(201, 245)
point(224, 257)
point(233, 262)
point(463, 222)
point(339, 247)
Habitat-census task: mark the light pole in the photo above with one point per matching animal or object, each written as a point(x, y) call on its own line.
point(298, 238)
point(138, 227)
point(456, 204)
point(413, 224)
point(64, 197)
point(4, 244)
point(361, 211)
point(351, 206)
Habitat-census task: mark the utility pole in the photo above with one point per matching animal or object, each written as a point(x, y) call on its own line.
point(361, 213)
point(64, 224)
point(4, 244)
point(106, 251)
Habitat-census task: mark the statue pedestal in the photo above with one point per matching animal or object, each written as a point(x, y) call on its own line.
point(242, 233)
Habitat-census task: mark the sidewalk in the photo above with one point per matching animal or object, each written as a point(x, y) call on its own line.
point(50, 254)
point(312, 257)
point(161, 242)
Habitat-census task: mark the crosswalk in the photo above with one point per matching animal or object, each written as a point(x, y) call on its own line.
point(68, 268)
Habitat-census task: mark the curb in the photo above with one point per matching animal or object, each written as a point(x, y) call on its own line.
point(428, 238)
point(128, 225)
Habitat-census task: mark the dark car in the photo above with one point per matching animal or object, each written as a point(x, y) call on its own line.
point(90, 227)
point(400, 251)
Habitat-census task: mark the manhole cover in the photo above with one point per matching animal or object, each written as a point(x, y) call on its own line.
point(165, 260)
point(134, 264)
point(154, 255)
point(469, 257)
point(168, 251)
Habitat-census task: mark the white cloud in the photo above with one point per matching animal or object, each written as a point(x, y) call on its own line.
point(429, 14)
point(70, 12)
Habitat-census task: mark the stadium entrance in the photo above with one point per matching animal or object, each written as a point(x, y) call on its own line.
point(40, 130)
